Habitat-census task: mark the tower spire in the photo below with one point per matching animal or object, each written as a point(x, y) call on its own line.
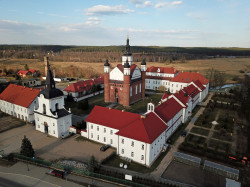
point(50, 83)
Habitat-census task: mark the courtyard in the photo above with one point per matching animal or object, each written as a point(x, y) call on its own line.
point(192, 175)
point(50, 148)
point(8, 122)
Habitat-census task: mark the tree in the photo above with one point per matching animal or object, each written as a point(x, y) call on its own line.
point(26, 148)
point(26, 67)
point(162, 88)
point(93, 164)
point(93, 88)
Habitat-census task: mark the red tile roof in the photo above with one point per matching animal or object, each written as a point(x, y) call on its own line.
point(19, 95)
point(111, 118)
point(188, 77)
point(191, 90)
point(181, 97)
point(144, 129)
point(158, 77)
point(198, 83)
point(168, 109)
point(23, 72)
point(165, 96)
point(32, 71)
point(84, 85)
point(154, 69)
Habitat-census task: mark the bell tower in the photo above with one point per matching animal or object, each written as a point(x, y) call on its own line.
point(106, 81)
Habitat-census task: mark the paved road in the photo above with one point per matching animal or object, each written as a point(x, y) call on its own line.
point(19, 175)
point(9, 183)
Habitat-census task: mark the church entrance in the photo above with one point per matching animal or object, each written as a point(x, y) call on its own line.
point(116, 95)
point(46, 128)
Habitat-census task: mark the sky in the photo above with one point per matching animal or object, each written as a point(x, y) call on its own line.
point(180, 23)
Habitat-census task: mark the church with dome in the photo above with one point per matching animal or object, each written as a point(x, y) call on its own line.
point(125, 84)
point(50, 116)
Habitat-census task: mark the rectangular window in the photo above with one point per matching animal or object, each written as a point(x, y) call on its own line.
point(38, 126)
point(97, 128)
point(142, 157)
point(132, 143)
point(122, 141)
point(111, 141)
point(104, 139)
point(104, 130)
point(91, 127)
point(122, 151)
point(136, 89)
point(142, 147)
point(91, 135)
point(97, 137)
point(54, 132)
point(111, 132)
point(132, 154)
point(130, 90)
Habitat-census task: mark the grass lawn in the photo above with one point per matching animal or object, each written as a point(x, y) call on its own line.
point(141, 106)
point(193, 139)
point(115, 162)
point(218, 145)
point(200, 131)
point(96, 100)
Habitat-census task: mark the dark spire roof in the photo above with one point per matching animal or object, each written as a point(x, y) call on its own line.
point(143, 61)
point(107, 63)
point(127, 51)
point(50, 91)
point(126, 65)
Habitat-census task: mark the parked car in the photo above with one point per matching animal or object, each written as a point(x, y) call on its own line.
point(57, 173)
point(104, 147)
point(184, 133)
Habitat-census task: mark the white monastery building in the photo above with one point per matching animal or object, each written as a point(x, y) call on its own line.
point(19, 101)
point(159, 76)
point(51, 117)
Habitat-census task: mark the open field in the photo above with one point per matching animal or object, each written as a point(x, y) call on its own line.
point(231, 66)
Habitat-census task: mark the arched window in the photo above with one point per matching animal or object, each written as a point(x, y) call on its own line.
point(44, 109)
point(56, 106)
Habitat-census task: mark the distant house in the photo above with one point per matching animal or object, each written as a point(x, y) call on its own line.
point(31, 82)
point(25, 73)
point(83, 88)
point(19, 101)
point(159, 76)
point(183, 79)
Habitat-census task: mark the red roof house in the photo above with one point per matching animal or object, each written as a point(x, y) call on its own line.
point(167, 70)
point(187, 77)
point(130, 125)
point(168, 109)
point(19, 95)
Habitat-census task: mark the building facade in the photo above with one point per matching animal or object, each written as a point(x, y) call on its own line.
point(125, 84)
point(51, 117)
point(19, 101)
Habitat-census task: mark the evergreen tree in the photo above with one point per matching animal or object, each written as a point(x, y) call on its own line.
point(26, 148)
point(93, 164)
point(26, 67)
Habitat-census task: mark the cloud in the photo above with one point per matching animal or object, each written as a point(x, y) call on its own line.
point(51, 14)
point(108, 10)
point(197, 15)
point(144, 4)
point(93, 21)
point(15, 26)
point(164, 4)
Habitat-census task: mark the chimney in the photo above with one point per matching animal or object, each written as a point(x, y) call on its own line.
point(143, 117)
point(110, 108)
point(122, 110)
point(46, 59)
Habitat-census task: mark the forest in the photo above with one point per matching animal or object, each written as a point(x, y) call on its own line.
point(100, 53)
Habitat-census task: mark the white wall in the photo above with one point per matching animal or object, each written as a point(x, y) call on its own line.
point(116, 74)
point(26, 114)
point(106, 134)
point(154, 84)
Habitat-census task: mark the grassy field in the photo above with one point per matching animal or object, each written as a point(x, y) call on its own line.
point(231, 66)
